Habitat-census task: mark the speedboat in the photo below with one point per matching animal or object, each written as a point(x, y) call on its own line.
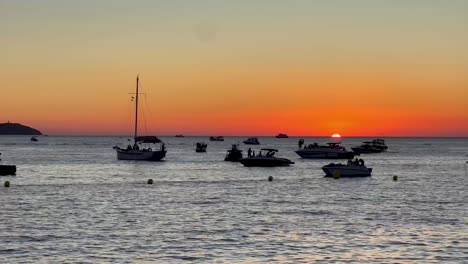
point(233, 154)
point(380, 144)
point(366, 147)
point(352, 169)
point(280, 135)
point(251, 141)
point(265, 158)
point(333, 150)
point(218, 138)
point(201, 147)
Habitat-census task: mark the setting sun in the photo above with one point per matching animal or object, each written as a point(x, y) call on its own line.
point(336, 136)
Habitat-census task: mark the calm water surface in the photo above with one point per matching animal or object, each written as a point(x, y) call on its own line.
point(72, 201)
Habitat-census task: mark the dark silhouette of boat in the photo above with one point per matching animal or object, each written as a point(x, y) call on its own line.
point(218, 138)
point(380, 144)
point(34, 139)
point(251, 141)
point(352, 169)
point(179, 135)
point(145, 153)
point(366, 147)
point(332, 150)
point(280, 135)
point(201, 147)
point(265, 158)
point(233, 154)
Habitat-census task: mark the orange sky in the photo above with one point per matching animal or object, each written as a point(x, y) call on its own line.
point(209, 68)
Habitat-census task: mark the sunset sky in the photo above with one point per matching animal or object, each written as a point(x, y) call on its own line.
point(244, 67)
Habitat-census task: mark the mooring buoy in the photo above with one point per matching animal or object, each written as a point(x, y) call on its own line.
point(336, 174)
point(395, 178)
point(150, 181)
point(6, 184)
point(270, 178)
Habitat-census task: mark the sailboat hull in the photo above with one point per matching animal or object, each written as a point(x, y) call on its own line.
point(140, 155)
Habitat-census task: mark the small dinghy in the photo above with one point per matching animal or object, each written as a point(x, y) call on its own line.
point(354, 168)
point(218, 138)
point(201, 147)
point(265, 158)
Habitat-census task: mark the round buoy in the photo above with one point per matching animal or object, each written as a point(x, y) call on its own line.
point(270, 178)
point(150, 181)
point(395, 178)
point(6, 184)
point(336, 174)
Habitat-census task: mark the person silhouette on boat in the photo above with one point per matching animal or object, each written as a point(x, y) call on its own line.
point(249, 152)
point(129, 147)
point(301, 142)
point(136, 147)
point(163, 147)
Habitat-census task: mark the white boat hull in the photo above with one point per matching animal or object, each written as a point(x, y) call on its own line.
point(320, 153)
point(335, 170)
point(123, 154)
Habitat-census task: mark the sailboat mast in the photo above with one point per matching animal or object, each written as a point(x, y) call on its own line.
point(136, 110)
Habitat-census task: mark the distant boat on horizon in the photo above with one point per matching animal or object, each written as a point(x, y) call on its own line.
point(179, 136)
point(281, 135)
point(134, 152)
point(218, 138)
point(251, 141)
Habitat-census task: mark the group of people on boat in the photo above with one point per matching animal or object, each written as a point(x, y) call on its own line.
point(356, 162)
point(145, 149)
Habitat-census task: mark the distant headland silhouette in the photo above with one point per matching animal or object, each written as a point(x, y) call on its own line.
point(17, 129)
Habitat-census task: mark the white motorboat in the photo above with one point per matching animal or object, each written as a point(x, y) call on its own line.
point(136, 152)
point(352, 169)
point(332, 150)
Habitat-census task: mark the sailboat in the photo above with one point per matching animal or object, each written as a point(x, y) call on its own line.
point(134, 152)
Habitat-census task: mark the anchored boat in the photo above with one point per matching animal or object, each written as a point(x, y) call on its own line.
point(201, 147)
point(332, 150)
point(351, 169)
point(265, 158)
point(252, 141)
point(136, 152)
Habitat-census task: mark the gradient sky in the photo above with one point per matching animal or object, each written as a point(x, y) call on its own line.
point(383, 68)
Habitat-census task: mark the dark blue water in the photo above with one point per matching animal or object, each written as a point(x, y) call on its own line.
point(73, 201)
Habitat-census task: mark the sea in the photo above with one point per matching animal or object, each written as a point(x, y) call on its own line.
point(72, 201)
